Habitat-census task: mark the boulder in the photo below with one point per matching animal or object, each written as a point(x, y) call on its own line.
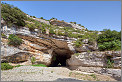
point(86, 59)
point(43, 59)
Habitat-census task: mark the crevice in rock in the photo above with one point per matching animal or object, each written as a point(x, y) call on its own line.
point(109, 62)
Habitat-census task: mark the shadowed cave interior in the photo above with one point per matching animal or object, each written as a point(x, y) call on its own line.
point(59, 60)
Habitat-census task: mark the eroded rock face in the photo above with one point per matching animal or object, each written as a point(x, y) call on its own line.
point(42, 20)
point(57, 45)
point(43, 59)
point(65, 24)
point(41, 54)
point(8, 50)
point(17, 58)
point(49, 47)
point(86, 46)
point(94, 59)
point(23, 54)
point(86, 59)
point(42, 49)
point(60, 23)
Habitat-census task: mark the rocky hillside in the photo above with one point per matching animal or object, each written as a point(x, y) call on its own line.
point(28, 40)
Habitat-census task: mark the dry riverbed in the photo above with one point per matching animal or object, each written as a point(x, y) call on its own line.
point(32, 73)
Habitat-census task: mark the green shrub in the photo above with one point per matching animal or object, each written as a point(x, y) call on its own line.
point(60, 33)
point(88, 51)
point(14, 40)
point(34, 17)
point(79, 24)
point(41, 18)
point(13, 15)
point(31, 27)
point(18, 65)
point(6, 66)
point(101, 47)
point(3, 35)
point(73, 22)
point(78, 43)
point(71, 35)
point(40, 65)
point(90, 35)
point(110, 63)
point(93, 75)
point(30, 19)
point(112, 45)
point(53, 18)
point(51, 71)
point(77, 54)
point(91, 41)
point(108, 36)
point(51, 31)
point(77, 31)
point(83, 26)
point(33, 59)
point(43, 30)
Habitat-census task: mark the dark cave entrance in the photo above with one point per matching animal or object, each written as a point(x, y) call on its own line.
point(59, 60)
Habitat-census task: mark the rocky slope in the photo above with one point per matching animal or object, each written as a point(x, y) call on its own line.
point(65, 24)
point(27, 40)
point(52, 49)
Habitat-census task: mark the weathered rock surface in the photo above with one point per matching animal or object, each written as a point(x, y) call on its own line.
point(43, 59)
point(65, 24)
point(60, 23)
point(87, 47)
point(115, 73)
point(42, 49)
point(59, 47)
point(86, 59)
point(24, 53)
point(8, 50)
point(76, 26)
point(17, 58)
point(83, 48)
point(38, 52)
point(40, 20)
point(94, 59)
